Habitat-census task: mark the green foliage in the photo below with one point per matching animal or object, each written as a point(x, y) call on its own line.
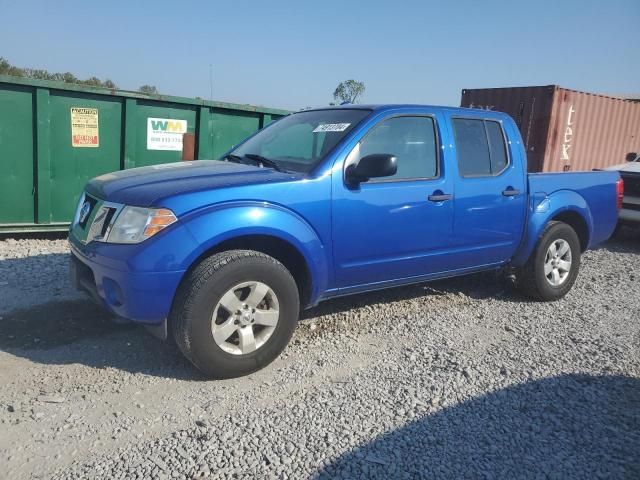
point(7, 69)
point(349, 91)
point(40, 74)
point(150, 89)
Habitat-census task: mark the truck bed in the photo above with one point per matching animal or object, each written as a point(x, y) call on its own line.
point(596, 189)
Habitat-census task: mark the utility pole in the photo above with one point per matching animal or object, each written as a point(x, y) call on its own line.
point(210, 82)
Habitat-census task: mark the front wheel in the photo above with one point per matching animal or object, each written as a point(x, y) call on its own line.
point(553, 266)
point(235, 313)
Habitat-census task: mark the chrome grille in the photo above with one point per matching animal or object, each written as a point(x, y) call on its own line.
point(100, 224)
point(97, 224)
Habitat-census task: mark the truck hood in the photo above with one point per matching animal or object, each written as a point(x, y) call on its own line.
point(146, 186)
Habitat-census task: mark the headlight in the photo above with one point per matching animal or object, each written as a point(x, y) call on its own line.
point(135, 224)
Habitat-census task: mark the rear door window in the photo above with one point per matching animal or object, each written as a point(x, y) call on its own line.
point(480, 147)
point(497, 149)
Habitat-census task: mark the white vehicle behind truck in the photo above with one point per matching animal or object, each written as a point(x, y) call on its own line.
point(630, 173)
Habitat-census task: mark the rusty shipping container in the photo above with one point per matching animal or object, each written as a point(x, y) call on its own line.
point(565, 130)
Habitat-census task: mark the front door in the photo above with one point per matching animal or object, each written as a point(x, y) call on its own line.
point(394, 227)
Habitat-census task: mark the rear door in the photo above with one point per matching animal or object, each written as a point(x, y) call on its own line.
point(490, 187)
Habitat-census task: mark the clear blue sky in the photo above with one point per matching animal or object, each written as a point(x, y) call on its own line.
point(293, 53)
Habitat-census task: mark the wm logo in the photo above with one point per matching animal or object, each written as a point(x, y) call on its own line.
point(167, 126)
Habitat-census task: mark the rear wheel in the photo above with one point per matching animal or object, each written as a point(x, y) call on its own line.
point(553, 267)
point(235, 313)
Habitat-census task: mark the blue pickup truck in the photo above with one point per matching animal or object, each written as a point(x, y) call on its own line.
point(222, 255)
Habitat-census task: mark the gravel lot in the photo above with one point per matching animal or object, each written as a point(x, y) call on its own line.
point(455, 379)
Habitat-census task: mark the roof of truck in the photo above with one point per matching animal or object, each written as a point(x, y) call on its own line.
point(400, 106)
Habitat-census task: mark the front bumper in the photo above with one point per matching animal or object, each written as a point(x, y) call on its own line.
point(144, 297)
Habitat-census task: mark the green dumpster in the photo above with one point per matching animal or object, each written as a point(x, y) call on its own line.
point(54, 137)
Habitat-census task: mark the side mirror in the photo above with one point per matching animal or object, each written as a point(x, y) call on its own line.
point(632, 157)
point(372, 166)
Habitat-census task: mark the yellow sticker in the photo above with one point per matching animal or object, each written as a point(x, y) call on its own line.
point(84, 127)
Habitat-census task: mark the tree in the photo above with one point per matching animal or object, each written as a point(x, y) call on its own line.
point(349, 91)
point(40, 74)
point(7, 69)
point(68, 77)
point(149, 89)
point(93, 81)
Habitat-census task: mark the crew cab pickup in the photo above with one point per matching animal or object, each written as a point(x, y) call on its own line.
point(223, 254)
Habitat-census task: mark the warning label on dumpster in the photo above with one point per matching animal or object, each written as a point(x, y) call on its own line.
point(84, 127)
point(165, 133)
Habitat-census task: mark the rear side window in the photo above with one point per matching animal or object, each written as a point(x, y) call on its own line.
point(480, 147)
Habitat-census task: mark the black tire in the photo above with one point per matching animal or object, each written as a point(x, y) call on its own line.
point(200, 292)
point(531, 278)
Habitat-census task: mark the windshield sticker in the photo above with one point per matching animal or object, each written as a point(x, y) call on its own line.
point(331, 127)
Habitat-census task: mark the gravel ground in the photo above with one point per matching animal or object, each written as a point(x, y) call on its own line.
point(455, 379)
point(34, 272)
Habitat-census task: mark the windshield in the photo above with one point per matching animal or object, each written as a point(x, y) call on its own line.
point(299, 141)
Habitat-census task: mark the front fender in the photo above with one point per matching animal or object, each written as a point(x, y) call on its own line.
point(542, 209)
point(214, 225)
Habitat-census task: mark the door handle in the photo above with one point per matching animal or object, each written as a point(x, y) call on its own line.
point(441, 197)
point(510, 192)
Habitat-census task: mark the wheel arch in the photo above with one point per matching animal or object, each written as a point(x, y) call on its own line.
point(578, 223)
point(565, 206)
point(275, 247)
point(270, 229)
